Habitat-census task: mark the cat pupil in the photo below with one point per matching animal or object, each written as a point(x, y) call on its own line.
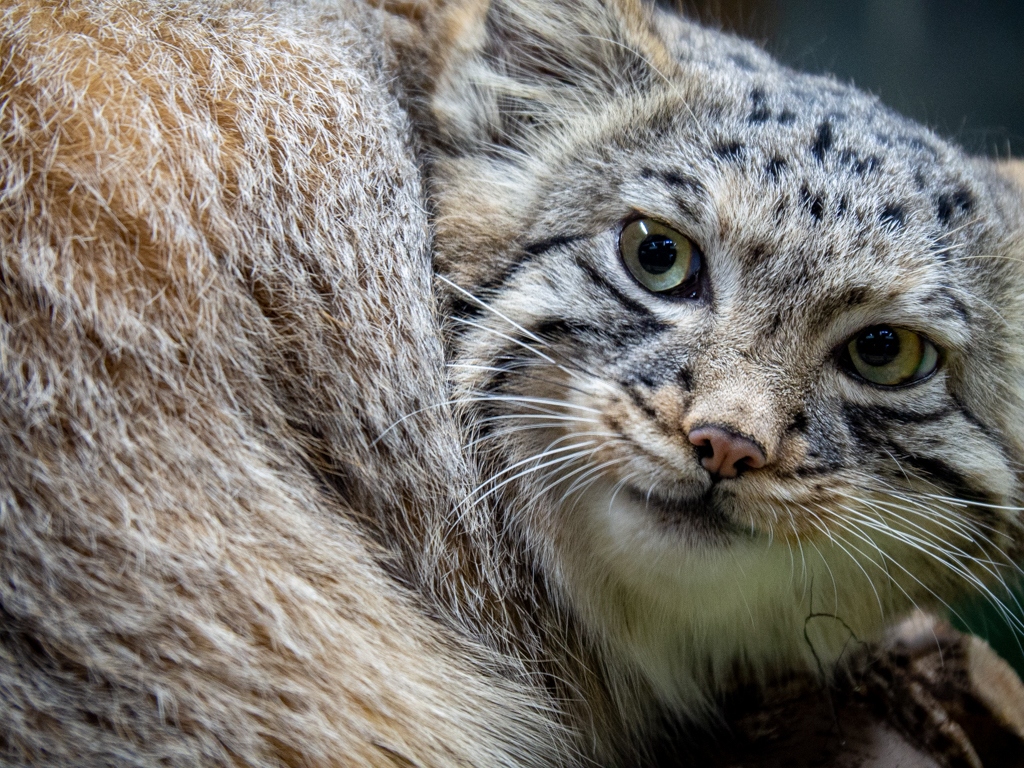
point(878, 346)
point(657, 254)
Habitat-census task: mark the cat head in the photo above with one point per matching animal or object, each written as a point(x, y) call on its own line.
point(740, 348)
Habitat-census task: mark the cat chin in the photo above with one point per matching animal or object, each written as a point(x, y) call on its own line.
point(698, 606)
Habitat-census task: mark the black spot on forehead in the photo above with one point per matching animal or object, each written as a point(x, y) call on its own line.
point(773, 325)
point(780, 209)
point(859, 164)
point(775, 167)
point(893, 215)
point(948, 300)
point(824, 306)
point(919, 144)
point(677, 180)
point(759, 112)
point(814, 204)
point(743, 63)
point(786, 117)
point(731, 150)
point(855, 296)
point(823, 139)
point(953, 204)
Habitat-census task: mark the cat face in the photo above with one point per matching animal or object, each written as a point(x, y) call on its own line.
point(739, 348)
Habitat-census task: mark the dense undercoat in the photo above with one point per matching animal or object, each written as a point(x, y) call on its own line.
point(238, 522)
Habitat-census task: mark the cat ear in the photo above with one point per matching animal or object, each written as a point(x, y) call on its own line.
point(1013, 170)
point(502, 74)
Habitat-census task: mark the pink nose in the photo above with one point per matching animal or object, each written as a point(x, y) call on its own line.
point(730, 453)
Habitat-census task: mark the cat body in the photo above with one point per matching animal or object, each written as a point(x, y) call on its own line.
point(263, 505)
point(214, 270)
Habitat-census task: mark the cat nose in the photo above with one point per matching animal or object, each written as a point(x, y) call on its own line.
point(725, 453)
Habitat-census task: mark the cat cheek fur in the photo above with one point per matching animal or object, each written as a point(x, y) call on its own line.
point(820, 213)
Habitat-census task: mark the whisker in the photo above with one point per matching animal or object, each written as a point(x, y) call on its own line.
point(820, 525)
point(530, 470)
point(518, 371)
point(518, 342)
point(948, 563)
point(484, 305)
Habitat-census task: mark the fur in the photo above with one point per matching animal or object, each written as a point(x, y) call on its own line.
point(214, 286)
point(255, 508)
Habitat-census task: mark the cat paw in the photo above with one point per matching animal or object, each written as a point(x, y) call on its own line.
point(948, 692)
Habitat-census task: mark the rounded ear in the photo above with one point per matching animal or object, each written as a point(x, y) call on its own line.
point(1013, 170)
point(498, 74)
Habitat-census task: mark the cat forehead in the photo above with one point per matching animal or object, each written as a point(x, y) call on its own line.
point(835, 176)
point(841, 150)
point(855, 215)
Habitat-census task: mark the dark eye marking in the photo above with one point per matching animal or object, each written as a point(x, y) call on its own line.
point(555, 328)
point(685, 379)
point(984, 428)
point(879, 418)
point(799, 422)
point(945, 475)
point(543, 246)
point(816, 470)
point(873, 426)
point(529, 252)
point(641, 404)
point(648, 319)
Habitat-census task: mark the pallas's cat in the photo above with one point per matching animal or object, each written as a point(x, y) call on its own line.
point(727, 371)
point(739, 350)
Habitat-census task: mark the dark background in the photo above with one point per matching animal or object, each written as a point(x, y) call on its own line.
point(958, 67)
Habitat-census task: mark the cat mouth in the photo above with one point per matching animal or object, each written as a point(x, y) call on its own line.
point(706, 513)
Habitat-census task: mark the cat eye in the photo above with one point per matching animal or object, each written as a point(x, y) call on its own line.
point(890, 356)
point(661, 259)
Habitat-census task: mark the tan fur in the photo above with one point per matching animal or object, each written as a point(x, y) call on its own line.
point(214, 278)
point(240, 517)
point(1014, 169)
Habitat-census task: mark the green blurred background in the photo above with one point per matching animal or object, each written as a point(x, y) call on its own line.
point(957, 67)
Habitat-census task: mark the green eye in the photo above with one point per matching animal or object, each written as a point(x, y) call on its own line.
point(659, 258)
point(890, 356)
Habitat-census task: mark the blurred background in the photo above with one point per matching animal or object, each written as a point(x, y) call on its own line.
point(957, 67)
